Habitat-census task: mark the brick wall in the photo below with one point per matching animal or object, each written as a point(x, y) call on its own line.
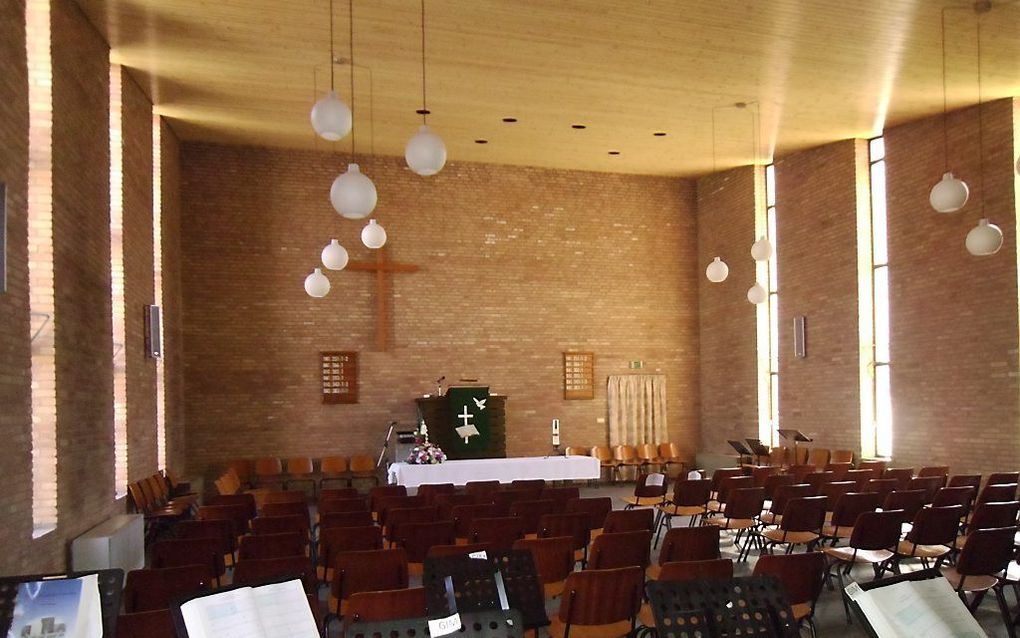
point(518, 265)
point(816, 229)
point(173, 339)
point(954, 316)
point(729, 373)
point(15, 379)
point(138, 282)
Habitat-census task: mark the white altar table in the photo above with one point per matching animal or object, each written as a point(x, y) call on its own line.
point(550, 468)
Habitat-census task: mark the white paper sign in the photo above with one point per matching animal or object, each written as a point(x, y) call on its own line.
point(480, 555)
point(444, 626)
point(655, 479)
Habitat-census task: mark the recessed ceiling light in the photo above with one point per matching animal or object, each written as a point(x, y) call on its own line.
point(659, 134)
point(614, 152)
point(481, 141)
point(509, 120)
point(423, 112)
point(578, 126)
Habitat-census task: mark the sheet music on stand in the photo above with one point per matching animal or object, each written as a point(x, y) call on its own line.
point(920, 603)
point(110, 582)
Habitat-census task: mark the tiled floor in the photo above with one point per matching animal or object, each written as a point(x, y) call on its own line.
point(829, 616)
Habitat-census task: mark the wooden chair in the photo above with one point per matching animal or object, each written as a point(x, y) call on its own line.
point(801, 525)
point(845, 513)
point(987, 553)
point(604, 454)
point(873, 542)
point(482, 490)
point(762, 473)
point(554, 561)
point(966, 480)
point(648, 454)
point(817, 479)
point(238, 515)
point(901, 474)
point(146, 624)
point(269, 470)
point(773, 483)
point(531, 511)
point(877, 467)
point(333, 541)
point(622, 549)
point(335, 505)
point(819, 457)
point(574, 525)
point(457, 550)
point(935, 470)
point(909, 502)
point(337, 493)
point(274, 497)
point(928, 485)
point(841, 456)
point(839, 470)
point(684, 544)
point(391, 604)
point(882, 487)
point(386, 504)
point(429, 491)
point(727, 486)
point(528, 484)
point(262, 525)
point(860, 477)
point(246, 500)
point(945, 496)
point(999, 478)
point(833, 491)
point(418, 538)
point(669, 455)
point(500, 532)
point(997, 493)
point(629, 520)
point(649, 490)
point(742, 509)
point(561, 495)
point(802, 575)
point(463, 515)
point(784, 493)
point(256, 571)
point(690, 498)
point(151, 589)
point(720, 475)
point(373, 570)
point(334, 468)
point(396, 519)
point(360, 518)
point(800, 472)
point(205, 552)
point(289, 509)
point(605, 601)
point(572, 450)
point(931, 536)
point(597, 508)
point(272, 546)
point(990, 516)
point(379, 493)
point(300, 469)
point(446, 503)
point(362, 466)
point(626, 456)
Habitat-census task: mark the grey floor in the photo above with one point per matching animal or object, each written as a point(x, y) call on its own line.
point(830, 619)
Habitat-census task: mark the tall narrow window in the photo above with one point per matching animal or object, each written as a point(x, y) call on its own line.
point(157, 262)
point(120, 435)
point(40, 267)
point(881, 390)
point(768, 321)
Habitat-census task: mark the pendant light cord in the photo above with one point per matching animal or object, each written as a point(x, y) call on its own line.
point(332, 54)
point(981, 122)
point(424, 101)
point(350, 16)
point(945, 98)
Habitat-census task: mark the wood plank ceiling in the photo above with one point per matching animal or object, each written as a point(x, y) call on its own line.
point(247, 72)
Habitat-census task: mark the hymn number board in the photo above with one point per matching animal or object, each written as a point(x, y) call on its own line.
point(339, 377)
point(578, 375)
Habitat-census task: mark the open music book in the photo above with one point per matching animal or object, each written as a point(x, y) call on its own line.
point(58, 608)
point(279, 610)
point(928, 608)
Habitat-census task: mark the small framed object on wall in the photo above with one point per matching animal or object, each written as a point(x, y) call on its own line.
point(339, 377)
point(578, 375)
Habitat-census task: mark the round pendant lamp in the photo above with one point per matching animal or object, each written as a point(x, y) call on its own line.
point(425, 152)
point(316, 284)
point(757, 294)
point(984, 239)
point(373, 235)
point(949, 194)
point(717, 271)
point(331, 118)
point(761, 250)
point(353, 194)
point(334, 256)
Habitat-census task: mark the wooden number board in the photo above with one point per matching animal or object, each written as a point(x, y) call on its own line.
point(578, 375)
point(339, 377)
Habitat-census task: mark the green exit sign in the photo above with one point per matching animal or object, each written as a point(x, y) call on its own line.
point(637, 365)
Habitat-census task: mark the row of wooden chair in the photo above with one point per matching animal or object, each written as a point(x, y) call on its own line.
point(639, 458)
point(162, 500)
point(274, 471)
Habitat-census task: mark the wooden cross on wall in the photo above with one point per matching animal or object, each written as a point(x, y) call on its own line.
point(382, 267)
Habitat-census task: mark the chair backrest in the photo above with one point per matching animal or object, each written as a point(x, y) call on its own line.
point(652, 485)
point(456, 550)
point(149, 589)
point(761, 474)
point(691, 492)
point(429, 491)
point(333, 465)
point(909, 501)
point(462, 516)
point(572, 450)
point(299, 466)
point(146, 624)
point(731, 484)
point(334, 540)
point(632, 520)
point(723, 473)
point(996, 478)
point(877, 530)
point(527, 484)
point(362, 464)
point(600, 597)
point(624, 453)
point(384, 505)
point(574, 524)
point(819, 457)
point(207, 552)
point(245, 500)
point(861, 477)
point(482, 488)
point(962, 495)
point(934, 470)
point(359, 518)
point(935, 525)
point(622, 549)
point(997, 493)
point(832, 492)
point(851, 505)
point(714, 569)
point(391, 604)
point(531, 511)
point(418, 538)
point(603, 453)
point(242, 468)
point(802, 575)
point(288, 509)
point(504, 499)
point(670, 451)
point(272, 546)
point(500, 532)
point(255, 571)
point(805, 514)
point(987, 552)
point(397, 518)
point(562, 495)
point(901, 474)
point(817, 479)
point(446, 502)
point(969, 480)
point(774, 482)
point(648, 452)
point(779, 455)
point(279, 524)
point(995, 514)
point(927, 484)
point(882, 487)
point(380, 492)
point(283, 496)
point(877, 467)
point(841, 456)
point(219, 528)
point(239, 514)
point(801, 470)
point(596, 507)
point(338, 494)
point(786, 492)
point(373, 570)
point(839, 470)
point(690, 543)
point(356, 504)
point(268, 466)
point(553, 556)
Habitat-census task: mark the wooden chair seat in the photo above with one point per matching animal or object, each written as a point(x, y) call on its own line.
point(796, 538)
point(906, 548)
point(801, 611)
point(716, 506)
point(645, 616)
point(974, 583)
point(829, 531)
point(870, 556)
point(553, 590)
point(732, 523)
point(643, 501)
point(680, 510)
point(557, 629)
point(770, 518)
point(652, 572)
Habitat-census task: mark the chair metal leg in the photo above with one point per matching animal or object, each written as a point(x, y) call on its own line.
point(842, 595)
point(1004, 608)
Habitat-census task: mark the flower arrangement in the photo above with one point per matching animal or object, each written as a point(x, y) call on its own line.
point(425, 453)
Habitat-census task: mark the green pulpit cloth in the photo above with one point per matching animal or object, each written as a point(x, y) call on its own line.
point(468, 410)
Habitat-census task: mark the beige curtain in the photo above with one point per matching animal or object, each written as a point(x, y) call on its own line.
point(637, 409)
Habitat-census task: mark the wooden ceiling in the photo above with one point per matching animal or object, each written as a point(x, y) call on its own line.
point(247, 72)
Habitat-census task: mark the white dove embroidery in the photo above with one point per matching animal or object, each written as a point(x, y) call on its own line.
point(480, 403)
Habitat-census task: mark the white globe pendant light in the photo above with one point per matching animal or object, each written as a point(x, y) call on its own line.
point(1018, 165)
point(757, 294)
point(373, 235)
point(334, 256)
point(761, 250)
point(316, 284)
point(717, 271)
point(331, 118)
point(984, 239)
point(425, 152)
point(949, 194)
point(353, 194)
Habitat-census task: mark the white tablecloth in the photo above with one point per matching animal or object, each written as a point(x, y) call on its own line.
point(550, 468)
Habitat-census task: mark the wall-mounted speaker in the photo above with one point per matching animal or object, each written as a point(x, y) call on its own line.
point(800, 336)
point(153, 332)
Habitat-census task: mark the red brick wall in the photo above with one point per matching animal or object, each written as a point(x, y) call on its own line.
point(729, 372)
point(15, 379)
point(136, 124)
point(518, 265)
point(954, 316)
point(816, 229)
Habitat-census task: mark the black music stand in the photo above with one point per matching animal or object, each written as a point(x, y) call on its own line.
point(749, 606)
point(741, 449)
point(480, 624)
point(797, 437)
point(759, 449)
point(111, 586)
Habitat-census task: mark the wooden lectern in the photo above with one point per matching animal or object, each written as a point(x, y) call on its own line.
point(444, 414)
